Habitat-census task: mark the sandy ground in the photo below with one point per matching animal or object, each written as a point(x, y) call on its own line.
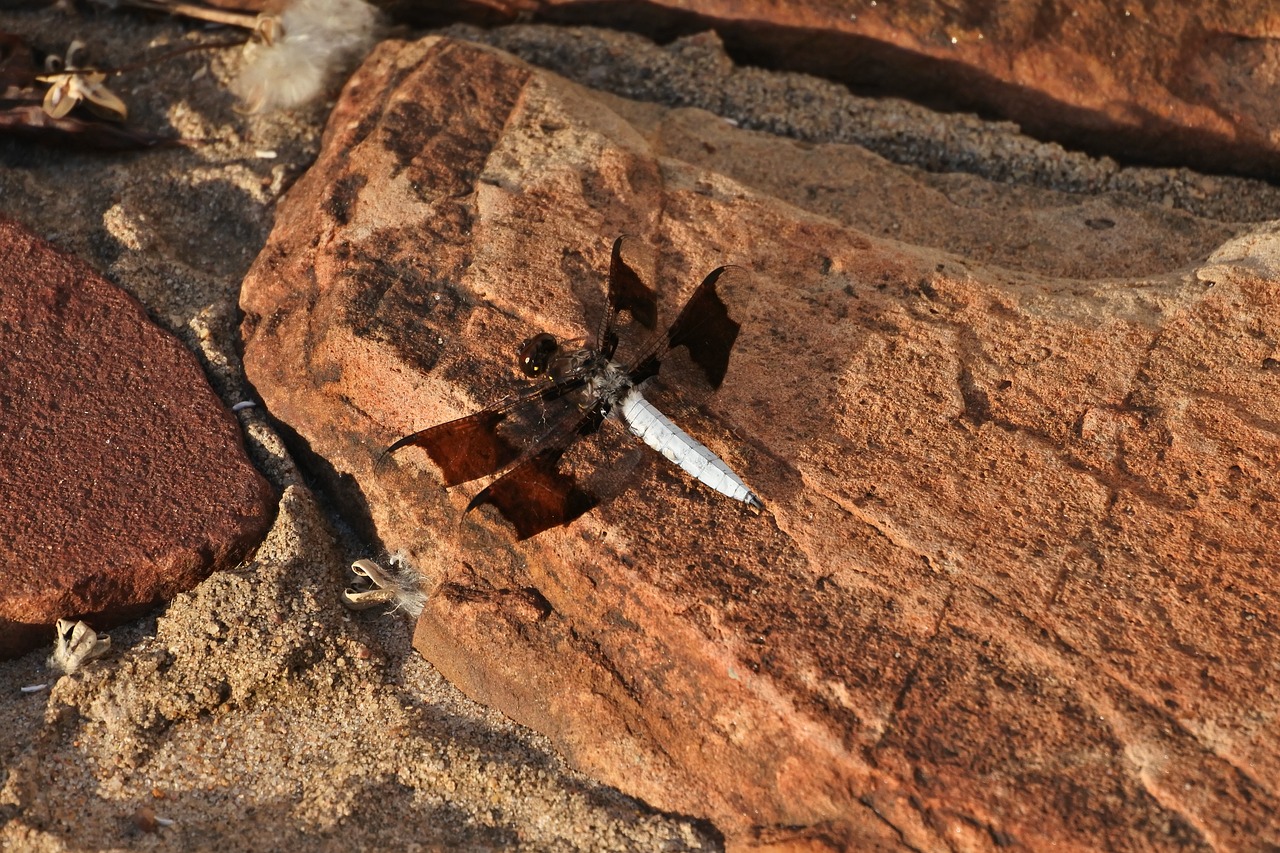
point(255, 712)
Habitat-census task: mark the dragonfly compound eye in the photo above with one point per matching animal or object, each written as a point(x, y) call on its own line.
point(536, 353)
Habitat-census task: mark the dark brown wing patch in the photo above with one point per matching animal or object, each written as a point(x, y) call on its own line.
point(706, 329)
point(535, 495)
point(488, 441)
point(467, 448)
point(627, 292)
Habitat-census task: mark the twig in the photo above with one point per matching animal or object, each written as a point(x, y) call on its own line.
point(165, 57)
point(195, 10)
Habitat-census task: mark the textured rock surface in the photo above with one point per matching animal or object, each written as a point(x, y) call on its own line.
point(123, 478)
point(1169, 82)
point(1162, 82)
point(1014, 582)
point(696, 72)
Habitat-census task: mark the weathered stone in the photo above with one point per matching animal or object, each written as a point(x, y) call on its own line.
point(123, 478)
point(1012, 583)
point(1163, 82)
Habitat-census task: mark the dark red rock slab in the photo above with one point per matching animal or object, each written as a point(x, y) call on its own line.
point(1170, 83)
point(1014, 583)
point(123, 478)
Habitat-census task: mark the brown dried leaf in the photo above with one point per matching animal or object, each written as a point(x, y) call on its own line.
point(59, 100)
point(71, 83)
point(30, 120)
point(46, 119)
point(74, 86)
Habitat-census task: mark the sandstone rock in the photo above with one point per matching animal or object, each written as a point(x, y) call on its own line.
point(1163, 82)
point(1013, 581)
point(696, 72)
point(123, 478)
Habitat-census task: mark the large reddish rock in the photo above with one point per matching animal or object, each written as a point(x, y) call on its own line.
point(1163, 81)
point(1014, 584)
point(123, 478)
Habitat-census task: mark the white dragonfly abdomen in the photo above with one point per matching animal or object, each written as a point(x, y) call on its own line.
point(656, 430)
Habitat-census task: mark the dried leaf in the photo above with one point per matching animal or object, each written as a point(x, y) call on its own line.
point(70, 84)
point(31, 121)
point(75, 86)
point(47, 117)
point(59, 100)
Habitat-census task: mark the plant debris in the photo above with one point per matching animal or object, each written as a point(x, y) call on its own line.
point(76, 109)
point(70, 83)
point(292, 54)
